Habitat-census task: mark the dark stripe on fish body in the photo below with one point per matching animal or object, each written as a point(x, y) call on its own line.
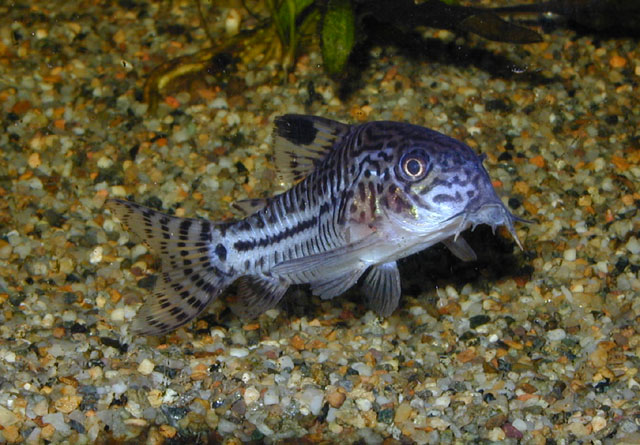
point(245, 245)
point(185, 226)
point(441, 198)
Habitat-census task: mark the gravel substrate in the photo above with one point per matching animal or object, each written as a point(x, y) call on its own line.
point(539, 346)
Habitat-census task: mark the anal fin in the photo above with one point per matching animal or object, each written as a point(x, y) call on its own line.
point(382, 288)
point(257, 294)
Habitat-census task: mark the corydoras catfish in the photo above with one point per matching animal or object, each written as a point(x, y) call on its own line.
point(364, 196)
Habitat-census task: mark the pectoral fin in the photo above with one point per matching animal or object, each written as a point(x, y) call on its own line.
point(382, 288)
point(333, 263)
point(460, 248)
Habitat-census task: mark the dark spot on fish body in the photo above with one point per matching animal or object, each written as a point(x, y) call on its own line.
point(259, 221)
point(244, 226)
point(221, 251)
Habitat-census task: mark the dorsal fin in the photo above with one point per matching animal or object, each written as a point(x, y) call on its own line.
point(301, 142)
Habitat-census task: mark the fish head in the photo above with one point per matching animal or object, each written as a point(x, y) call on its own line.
point(437, 187)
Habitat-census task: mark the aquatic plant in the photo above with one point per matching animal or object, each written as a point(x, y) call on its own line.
point(284, 28)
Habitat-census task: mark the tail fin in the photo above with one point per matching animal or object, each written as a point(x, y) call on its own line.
point(190, 277)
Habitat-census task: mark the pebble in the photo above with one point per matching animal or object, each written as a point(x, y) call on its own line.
point(238, 352)
point(569, 254)
point(556, 334)
point(311, 398)
point(403, 412)
point(363, 404)
point(96, 255)
point(633, 246)
point(7, 418)
point(146, 367)
point(66, 404)
point(336, 399)
point(271, 396)
point(251, 395)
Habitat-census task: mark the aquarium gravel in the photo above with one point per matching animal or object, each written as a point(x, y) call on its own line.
point(536, 346)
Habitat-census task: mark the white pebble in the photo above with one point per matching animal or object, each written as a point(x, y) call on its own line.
point(363, 370)
point(170, 396)
point(226, 427)
point(570, 254)
point(312, 398)
point(251, 395)
point(271, 397)
point(602, 266)
point(232, 22)
point(57, 421)
point(9, 357)
point(117, 314)
point(442, 401)
point(219, 102)
point(633, 245)
point(238, 352)
point(285, 362)
point(105, 162)
point(598, 423)
point(363, 404)
point(146, 367)
point(520, 425)
point(47, 321)
point(96, 255)
point(556, 334)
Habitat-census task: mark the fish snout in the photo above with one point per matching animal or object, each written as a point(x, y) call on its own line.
point(494, 214)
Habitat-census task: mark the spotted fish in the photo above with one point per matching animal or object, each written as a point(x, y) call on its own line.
point(364, 196)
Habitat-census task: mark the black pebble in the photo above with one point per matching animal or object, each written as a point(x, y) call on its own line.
point(478, 320)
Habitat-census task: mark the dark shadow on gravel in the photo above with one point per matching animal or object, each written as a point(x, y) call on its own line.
point(419, 49)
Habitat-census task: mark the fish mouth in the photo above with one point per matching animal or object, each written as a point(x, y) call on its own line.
point(493, 214)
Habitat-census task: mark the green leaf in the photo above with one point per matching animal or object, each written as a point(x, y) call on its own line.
point(338, 35)
point(285, 17)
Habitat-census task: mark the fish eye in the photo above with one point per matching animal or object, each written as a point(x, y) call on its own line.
point(414, 166)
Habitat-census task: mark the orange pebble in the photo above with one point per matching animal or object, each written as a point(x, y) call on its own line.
point(172, 101)
point(538, 161)
point(617, 61)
